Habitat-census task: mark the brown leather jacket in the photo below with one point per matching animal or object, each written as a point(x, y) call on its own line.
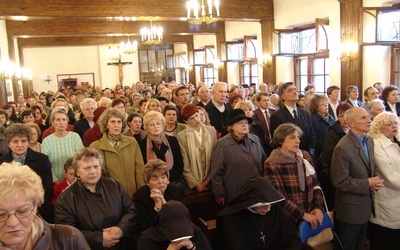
point(57, 237)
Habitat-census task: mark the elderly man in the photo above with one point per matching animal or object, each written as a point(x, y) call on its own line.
point(353, 174)
point(379, 87)
point(217, 109)
point(203, 96)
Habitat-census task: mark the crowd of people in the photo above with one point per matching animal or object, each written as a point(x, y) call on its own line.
point(112, 166)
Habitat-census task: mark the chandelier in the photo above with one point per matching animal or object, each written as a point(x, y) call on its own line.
point(128, 47)
point(206, 15)
point(152, 36)
point(115, 51)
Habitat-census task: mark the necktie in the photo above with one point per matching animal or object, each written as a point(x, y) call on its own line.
point(295, 114)
point(268, 119)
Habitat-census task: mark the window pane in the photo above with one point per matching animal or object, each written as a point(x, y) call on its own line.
point(318, 65)
point(307, 41)
point(143, 61)
point(161, 60)
point(388, 25)
point(152, 60)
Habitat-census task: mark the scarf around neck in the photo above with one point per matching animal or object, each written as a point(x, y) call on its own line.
point(304, 168)
point(158, 141)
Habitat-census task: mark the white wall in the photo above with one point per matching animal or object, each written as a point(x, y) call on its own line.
point(3, 41)
point(290, 13)
point(77, 59)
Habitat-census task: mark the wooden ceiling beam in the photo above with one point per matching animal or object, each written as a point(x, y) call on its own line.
point(84, 41)
point(240, 9)
point(98, 27)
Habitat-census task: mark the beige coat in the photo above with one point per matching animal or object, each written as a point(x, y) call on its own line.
point(126, 166)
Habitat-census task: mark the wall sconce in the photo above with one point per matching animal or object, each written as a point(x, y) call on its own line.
point(348, 50)
point(218, 64)
point(265, 60)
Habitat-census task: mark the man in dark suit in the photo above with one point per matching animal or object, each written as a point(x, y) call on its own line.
point(203, 96)
point(353, 174)
point(352, 95)
point(262, 115)
point(217, 110)
point(289, 113)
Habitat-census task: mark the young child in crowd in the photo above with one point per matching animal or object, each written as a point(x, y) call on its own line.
point(69, 178)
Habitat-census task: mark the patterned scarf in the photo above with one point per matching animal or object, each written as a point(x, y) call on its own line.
point(158, 141)
point(114, 139)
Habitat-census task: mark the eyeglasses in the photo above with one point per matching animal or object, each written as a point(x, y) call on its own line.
point(154, 124)
point(20, 214)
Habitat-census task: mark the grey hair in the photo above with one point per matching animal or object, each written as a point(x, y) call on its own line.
point(283, 131)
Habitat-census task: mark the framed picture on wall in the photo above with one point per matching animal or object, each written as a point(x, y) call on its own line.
point(75, 79)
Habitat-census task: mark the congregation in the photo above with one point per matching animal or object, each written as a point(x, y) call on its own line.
point(117, 163)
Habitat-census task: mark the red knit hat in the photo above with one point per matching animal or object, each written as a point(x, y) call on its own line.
point(188, 110)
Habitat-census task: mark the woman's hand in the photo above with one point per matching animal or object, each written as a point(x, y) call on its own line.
point(187, 243)
point(111, 236)
point(157, 197)
point(318, 213)
point(312, 219)
point(200, 187)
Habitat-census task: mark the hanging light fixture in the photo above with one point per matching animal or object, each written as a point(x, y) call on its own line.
point(206, 15)
point(128, 47)
point(152, 36)
point(114, 52)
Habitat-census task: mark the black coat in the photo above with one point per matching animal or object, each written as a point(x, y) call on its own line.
point(145, 205)
point(175, 174)
point(246, 230)
point(81, 126)
point(39, 163)
point(308, 140)
point(92, 212)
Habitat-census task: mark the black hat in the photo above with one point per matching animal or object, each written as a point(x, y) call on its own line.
point(256, 190)
point(172, 223)
point(237, 115)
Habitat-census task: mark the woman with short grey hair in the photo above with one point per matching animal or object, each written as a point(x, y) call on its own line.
point(88, 106)
point(291, 172)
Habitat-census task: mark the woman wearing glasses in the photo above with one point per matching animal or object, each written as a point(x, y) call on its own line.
point(21, 193)
point(158, 145)
point(122, 158)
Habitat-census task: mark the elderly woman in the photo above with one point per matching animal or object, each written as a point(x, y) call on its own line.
point(88, 106)
point(152, 104)
point(21, 194)
point(36, 133)
point(158, 145)
point(290, 171)
point(237, 157)
point(17, 137)
point(335, 132)
point(62, 144)
point(135, 122)
point(385, 225)
point(122, 156)
point(172, 126)
point(196, 143)
point(150, 198)
point(252, 220)
point(318, 106)
point(96, 205)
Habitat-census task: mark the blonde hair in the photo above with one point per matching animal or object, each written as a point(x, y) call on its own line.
point(15, 177)
point(152, 115)
point(379, 121)
point(150, 102)
point(84, 154)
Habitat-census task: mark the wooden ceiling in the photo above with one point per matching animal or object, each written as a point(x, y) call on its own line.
point(77, 22)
